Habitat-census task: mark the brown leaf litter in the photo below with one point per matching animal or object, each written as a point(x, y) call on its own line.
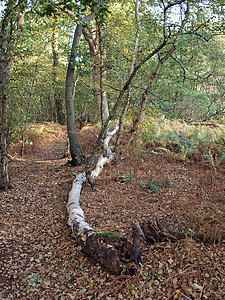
point(40, 260)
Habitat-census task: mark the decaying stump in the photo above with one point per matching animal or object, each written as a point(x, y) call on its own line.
point(105, 256)
point(138, 240)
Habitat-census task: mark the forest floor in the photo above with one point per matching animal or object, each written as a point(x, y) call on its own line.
point(40, 260)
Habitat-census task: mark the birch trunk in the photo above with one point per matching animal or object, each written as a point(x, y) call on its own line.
point(93, 243)
point(86, 235)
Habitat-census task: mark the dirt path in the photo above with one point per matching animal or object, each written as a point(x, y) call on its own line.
point(39, 259)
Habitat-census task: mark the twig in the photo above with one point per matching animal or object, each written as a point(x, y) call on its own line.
point(185, 296)
point(178, 222)
point(220, 271)
point(115, 89)
point(202, 290)
point(87, 85)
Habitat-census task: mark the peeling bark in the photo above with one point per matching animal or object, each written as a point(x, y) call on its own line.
point(86, 236)
point(105, 159)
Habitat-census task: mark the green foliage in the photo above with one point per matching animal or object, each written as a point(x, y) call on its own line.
point(221, 157)
point(63, 143)
point(154, 185)
point(193, 84)
point(150, 186)
point(31, 86)
point(183, 139)
point(190, 85)
point(110, 234)
point(34, 280)
point(125, 177)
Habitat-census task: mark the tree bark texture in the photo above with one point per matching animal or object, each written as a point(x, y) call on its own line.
point(92, 243)
point(133, 61)
point(4, 72)
point(58, 101)
point(96, 50)
point(75, 151)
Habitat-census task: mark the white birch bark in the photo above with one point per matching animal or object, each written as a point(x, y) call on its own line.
point(105, 159)
point(76, 214)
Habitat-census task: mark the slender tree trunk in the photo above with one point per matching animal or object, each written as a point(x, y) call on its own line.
point(130, 78)
point(102, 71)
point(4, 177)
point(4, 64)
point(76, 153)
point(58, 101)
point(136, 45)
point(96, 50)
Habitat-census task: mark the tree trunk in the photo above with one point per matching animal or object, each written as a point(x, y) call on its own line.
point(58, 101)
point(92, 243)
point(96, 50)
point(75, 151)
point(136, 46)
point(4, 177)
point(4, 65)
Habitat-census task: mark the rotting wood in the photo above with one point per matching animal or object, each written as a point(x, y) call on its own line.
point(156, 232)
point(138, 240)
point(106, 257)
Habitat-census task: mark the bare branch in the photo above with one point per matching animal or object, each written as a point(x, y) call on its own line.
point(180, 64)
point(199, 35)
point(115, 89)
point(87, 85)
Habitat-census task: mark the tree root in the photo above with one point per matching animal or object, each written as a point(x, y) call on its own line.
point(112, 251)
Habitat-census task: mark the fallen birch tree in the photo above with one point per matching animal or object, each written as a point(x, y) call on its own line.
point(109, 249)
point(96, 244)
